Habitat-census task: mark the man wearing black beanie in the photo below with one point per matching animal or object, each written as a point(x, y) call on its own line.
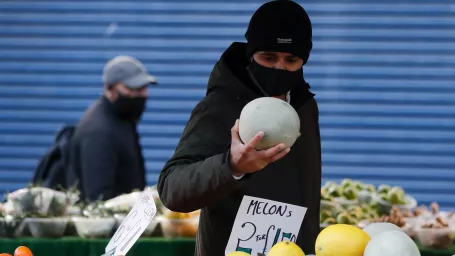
point(212, 169)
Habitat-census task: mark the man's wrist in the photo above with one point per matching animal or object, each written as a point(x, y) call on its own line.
point(236, 174)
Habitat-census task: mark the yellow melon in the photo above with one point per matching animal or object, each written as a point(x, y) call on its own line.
point(238, 254)
point(341, 240)
point(285, 248)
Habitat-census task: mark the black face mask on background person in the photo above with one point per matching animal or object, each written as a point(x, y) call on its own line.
point(275, 82)
point(130, 107)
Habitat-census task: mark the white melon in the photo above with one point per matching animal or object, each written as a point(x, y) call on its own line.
point(391, 243)
point(276, 118)
point(375, 229)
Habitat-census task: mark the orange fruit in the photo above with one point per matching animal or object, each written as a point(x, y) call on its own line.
point(23, 251)
point(5, 254)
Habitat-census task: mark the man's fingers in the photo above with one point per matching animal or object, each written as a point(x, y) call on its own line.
point(235, 132)
point(279, 155)
point(266, 154)
point(251, 145)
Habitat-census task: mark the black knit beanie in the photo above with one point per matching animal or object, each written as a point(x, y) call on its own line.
point(280, 26)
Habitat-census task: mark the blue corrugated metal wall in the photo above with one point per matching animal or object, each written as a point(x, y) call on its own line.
point(383, 72)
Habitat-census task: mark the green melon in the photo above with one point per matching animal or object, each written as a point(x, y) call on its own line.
point(391, 243)
point(276, 118)
point(375, 229)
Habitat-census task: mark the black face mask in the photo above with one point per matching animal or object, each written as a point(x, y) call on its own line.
point(129, 107)
point(275, 82)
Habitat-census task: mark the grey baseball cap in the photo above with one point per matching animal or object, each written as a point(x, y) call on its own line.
point(127, 70)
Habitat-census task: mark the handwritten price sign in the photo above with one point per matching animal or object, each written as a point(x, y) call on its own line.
point(261, 223)
point(133, 226)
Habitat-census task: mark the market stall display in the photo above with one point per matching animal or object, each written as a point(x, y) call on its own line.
point(351, 192)
point(10, 226)
point(285, 248)
point(41, 213)
point(432, 228)
point(175, 224)
point(351, 214)
point(341, 240)
point(47, 227)
point(75, 246)
point(20, 251)
point(391, 243)
point(238, 254)
point(46, 213)
point(377, 228)
point(36, 211)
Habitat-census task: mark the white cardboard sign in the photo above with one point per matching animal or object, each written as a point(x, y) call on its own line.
point(133, 225)
point(261, 223)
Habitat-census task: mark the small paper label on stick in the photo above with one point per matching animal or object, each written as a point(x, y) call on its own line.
point(133, 226)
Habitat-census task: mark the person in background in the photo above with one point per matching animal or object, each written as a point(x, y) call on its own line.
point(105, 156)
point(212, 169)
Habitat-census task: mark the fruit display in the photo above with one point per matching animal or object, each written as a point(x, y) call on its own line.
point(47, 227)
point(256, 116)
point(392, 195)
point(238, 254)
point(341, 240)
point(425, 212)
point(436, 234)
point(391, 243)
point(10, 226)
point(20, 251)
point(352, 214)
point(36, 211)
point(377, 228)
point(94, 227)
point(345, 193)
point(378, 200)
point(353, 190)
point(386, 208)
point(23, 251)
point(395, 217)
point(387, 197)
point(177, 224)
point(44, 213)
point(35, 201)
point(285, 248)
point(433, 228)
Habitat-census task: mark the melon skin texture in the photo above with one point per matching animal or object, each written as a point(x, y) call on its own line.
point(285, 248)
point(238, 254)
point(375, 229)
point(276, 118)
point(341, 240)
point(392, 243)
